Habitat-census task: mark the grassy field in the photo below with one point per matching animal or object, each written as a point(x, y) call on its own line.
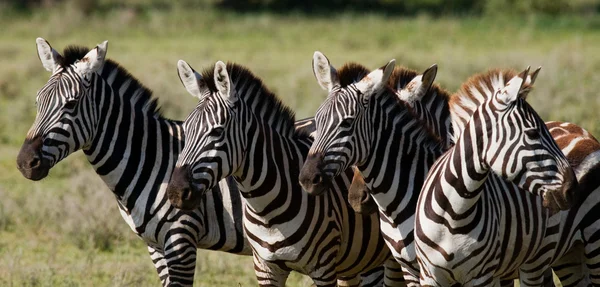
point(66, 230)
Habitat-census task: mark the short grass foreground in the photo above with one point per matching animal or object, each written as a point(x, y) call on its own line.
point(66, 230)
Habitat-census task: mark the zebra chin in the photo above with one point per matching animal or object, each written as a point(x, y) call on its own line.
point(181, 192)
point(312, 178)
point(30, 161)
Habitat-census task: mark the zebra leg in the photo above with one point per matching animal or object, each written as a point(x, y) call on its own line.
point(394, 274)
point(371, 278)
point(571, 269)
point(160, 264)
point(180, 255)
point(270, 274)
point(592, 255)
point(527, 277)
point(354, 281)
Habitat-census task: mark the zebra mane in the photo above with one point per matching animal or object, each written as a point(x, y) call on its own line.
point(426, 135)
point(73, 53)
point(351, 73)
point(477, 90)
point(263, 102)
point(399, 78)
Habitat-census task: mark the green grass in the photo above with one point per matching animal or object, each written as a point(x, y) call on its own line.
point(65, 230)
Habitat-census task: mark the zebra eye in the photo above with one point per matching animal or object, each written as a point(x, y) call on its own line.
point(346, 122)
point(216, 132)
point(532, 134)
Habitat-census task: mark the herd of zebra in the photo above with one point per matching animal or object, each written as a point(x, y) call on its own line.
point(394, 182)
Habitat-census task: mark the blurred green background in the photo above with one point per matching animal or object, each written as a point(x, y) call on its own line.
point(66, 230)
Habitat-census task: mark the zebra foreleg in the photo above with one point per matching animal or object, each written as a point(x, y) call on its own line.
point(394, 274)
point(180, 255)
point(269, 274)
point(160, 264)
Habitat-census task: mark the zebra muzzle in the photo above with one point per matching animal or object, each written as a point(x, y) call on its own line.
point(312, 178)
point(565, 197)
point(181, 191)
point(30, 162)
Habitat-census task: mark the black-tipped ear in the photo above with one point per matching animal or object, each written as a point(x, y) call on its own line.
point(93, 61)
point(429, 77)
point(534, 75)
point(376, 80)
point(511, 91)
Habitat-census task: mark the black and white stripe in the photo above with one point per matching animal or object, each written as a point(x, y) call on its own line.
point(239, 128)
point(468, 197)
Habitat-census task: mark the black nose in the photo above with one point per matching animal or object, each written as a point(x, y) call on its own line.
point(34, 162)
point(570, 188)
point(180, 190)
point(312, 179)
point(317, 178)
point(29, 160)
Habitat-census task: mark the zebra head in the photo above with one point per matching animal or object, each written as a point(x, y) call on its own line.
point(211, 146)
point(518, 146)
point(59, 127)
point(340, 124)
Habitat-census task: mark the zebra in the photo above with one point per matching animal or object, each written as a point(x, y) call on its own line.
point(240, 129)
point(578, 145)
point(94, 104)
point(355, 125)
point(471, 194)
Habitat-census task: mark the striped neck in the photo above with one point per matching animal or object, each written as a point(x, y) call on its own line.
point(403, 150)
point(464, 169)
point(131, 139)
point(433, 109)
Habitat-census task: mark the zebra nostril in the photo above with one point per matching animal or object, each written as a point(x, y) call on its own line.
point(35, 162)
point(317, 179)
point(186, 193)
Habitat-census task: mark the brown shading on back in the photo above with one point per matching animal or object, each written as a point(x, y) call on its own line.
point(582, 143)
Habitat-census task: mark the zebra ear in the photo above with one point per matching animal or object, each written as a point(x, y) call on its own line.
point(93, 61)
point(510, 92)
point(191, 80)
point(419, 86)
point(222, 80)
point(376, 80)
point(534, 75)
point(326, 74)
point(47, 55)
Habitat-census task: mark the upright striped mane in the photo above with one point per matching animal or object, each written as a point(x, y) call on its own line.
point(398, 80)
point(261, 100)
point(351, 73)
point(400, 77)
point(477, 90)
point(73, 53)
